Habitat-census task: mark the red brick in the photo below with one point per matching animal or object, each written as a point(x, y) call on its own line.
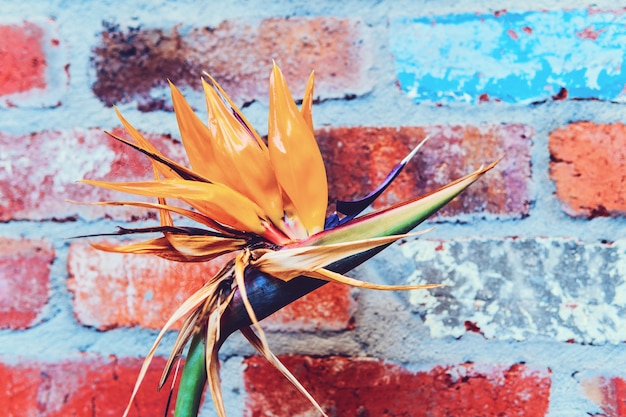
point(36, 186)
point(452, 152)
point(330, 308)
point(35, 69)
point(587, 165)
point(24, 281)
point(608, 393)
point(18, 395)
point(23, 58)
point(365, 387)
point(130, 63)
point(91, 386)
point(113, 290)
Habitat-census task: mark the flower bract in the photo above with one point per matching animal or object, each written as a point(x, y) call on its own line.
point(262, 201)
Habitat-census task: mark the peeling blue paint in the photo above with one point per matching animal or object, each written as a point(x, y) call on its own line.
point(511, 57)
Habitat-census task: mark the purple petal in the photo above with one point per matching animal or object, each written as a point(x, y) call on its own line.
point(351, 209)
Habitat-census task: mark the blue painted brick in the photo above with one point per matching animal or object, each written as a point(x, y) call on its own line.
point(511, 57)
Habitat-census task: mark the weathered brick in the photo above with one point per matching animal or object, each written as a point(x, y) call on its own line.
point(38, 173)
point(365, 387)
point(452, 151)
point(34, 186)
point(18, 395)
point(114, 290)
point(513, 288)
point(24, 281)
point(33, 71)
point(512, 57)
point(81, 387)
point(23, 58)
point(608, 393)
point(588, 162)
point(129, 64)
point(330, 308)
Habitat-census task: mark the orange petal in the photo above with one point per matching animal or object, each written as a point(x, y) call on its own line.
point(134, 133)
point(216, 201)
point(159, 247)
point(201, 247)
point(179, 248)
point(307, 102)
point(244, 164)
point(167, 167)
point(196, 138)
point(295, 156)
point(239, 113)
point(144, 144)
point(193, 215)
point(157, 167)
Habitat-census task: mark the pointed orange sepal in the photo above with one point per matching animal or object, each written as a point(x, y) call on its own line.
point(296, 157)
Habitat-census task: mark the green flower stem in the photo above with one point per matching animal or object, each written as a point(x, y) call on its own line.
point(267, 295)
point(192, 381)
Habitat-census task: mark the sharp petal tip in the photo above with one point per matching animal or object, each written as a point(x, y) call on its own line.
point(415, 150)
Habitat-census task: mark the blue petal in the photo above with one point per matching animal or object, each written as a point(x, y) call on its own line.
point(351, 209)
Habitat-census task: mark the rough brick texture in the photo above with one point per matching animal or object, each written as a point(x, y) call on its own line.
point(517, 287)
point(33, 71)
point(588, 166)
point(330, 308)
point(34, 186)
point(130, 63)
point(92, 386)
point(535, 301)
point(24, 281)
point(114, 290)
point(451, 152)
point(23, 58)
point(511, 57)
point(365, 387)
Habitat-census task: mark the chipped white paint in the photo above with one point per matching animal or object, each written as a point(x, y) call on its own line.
point(513, 289)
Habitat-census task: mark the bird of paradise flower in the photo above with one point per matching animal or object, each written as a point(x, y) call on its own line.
point(266, 204)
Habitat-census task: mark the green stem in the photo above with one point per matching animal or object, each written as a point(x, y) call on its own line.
point(268, 294)
point(192, 381)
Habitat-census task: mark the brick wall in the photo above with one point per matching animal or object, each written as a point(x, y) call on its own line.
point(532, 320)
